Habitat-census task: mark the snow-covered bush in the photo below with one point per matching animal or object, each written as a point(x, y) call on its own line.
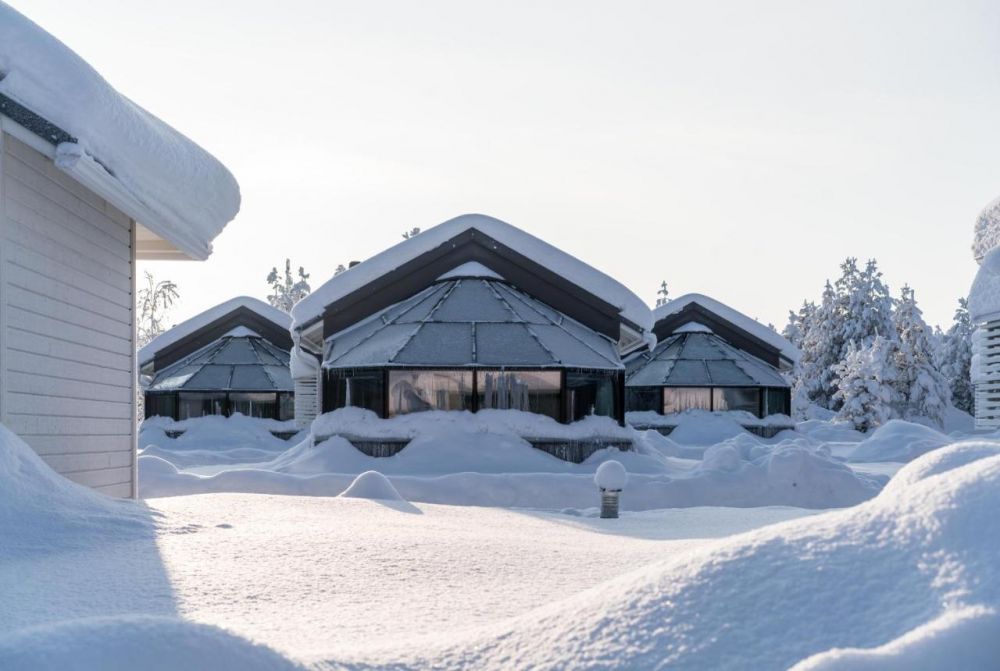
point(865, 381)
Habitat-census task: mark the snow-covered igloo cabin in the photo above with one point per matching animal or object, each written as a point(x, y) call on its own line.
point(470, 314)
point(90, 183)
point(232, 358)
point(984, 310)
point(708, 357)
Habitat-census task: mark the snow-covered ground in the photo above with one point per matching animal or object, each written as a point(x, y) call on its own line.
point(369, 577)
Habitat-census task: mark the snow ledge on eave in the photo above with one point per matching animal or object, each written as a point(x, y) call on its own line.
point(751, 326)
point(171, 185)
point(630, 306)
point(199, 321)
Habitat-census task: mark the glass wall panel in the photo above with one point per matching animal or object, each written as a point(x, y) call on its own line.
point(779, 402)
point(354, 388)
point(254, 404)
point(160, 405)
point(590, 394)
point(679, 399)
point(286, 406)
point(535, 391)
point(418, 390)
point(638, 399)
point(737, 398)
point(194, 404)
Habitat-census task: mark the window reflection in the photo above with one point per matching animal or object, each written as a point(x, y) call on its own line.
point(190, 404)
point(736, 398)
point(531, 391)
point(254, 405)
point(590, 394)
point(419, 390)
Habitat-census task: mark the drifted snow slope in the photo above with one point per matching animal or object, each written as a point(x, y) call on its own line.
point(915, 564)
point(192, 195)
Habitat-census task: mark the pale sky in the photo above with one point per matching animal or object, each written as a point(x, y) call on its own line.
point(736, 149)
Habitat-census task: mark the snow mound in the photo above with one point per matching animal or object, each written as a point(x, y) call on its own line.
point(894, 572)
point(898, 440)
point(372, 485)
point(135, 642)
point(829, 431)
point(700, 427)
point(188, 196)
point(42, 512)
point(611, 475)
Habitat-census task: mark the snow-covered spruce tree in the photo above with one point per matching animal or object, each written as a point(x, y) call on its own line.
point(865, 306)
point(411, 233)
point(921, 390)
point(813, 377)
point(286, 291)
point(154, 300)
point(954, 359)
point(798, 323)
point(865, 381)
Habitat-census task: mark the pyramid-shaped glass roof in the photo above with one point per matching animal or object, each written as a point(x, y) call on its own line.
point(231, 363)
point(698, 358)
point(471, 322)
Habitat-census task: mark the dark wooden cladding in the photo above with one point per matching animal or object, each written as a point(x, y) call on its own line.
point(208, 334)
point(528, 275)
point(723, 328)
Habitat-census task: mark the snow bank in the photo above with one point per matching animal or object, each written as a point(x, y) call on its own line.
point(185, 328)
point(751, 326)
point(213, 440)
point(898, 440)
point(42, 512)
point(700, 427)
point(365, 423)
point(187, 195)
point(372, 485)
point(829, 431)
point(913, 568)
point(603, 286)
point(135, 642)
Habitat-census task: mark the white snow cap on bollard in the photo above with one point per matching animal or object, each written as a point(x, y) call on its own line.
point(611, 478)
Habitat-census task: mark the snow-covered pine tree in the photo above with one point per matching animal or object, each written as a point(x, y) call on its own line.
point(411, 233)
point(865, 305)
point(662, 294)
point(954, 358)
point(864, 382)
point(286, 291)
point(921, 390)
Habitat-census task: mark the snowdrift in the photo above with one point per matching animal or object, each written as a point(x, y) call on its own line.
point(213, 440)
point(372, 485)
point(42, 512)
point(898, 440)
point(912, 571)
point(135, 642)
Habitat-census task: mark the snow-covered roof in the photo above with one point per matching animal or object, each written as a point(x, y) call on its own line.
point(630, 306)
point(231, 363)
point(147, 169)
point(471, 269)
point(470, 322)
point(735, 317)
point(206, 318)
point(699, 359)
point(987, 235)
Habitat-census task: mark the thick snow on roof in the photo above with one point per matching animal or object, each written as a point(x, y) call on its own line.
point(242, 363)
point(984, 297)
point(987, 230)
point(631, 306)
point(751, 326)
point(186, 328)
point(189, 194)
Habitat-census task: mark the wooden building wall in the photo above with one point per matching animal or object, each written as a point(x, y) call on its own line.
point(67, 357)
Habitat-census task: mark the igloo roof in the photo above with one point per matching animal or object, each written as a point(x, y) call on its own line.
point(231, 363)
point(699, 359)
point(469, 321)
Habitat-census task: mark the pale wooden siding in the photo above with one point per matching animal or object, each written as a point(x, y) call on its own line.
point(66, 322)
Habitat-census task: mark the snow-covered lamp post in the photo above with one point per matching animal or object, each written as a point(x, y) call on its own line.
point(610, 478)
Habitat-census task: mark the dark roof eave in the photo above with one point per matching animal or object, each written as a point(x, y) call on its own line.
point(35, 123)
